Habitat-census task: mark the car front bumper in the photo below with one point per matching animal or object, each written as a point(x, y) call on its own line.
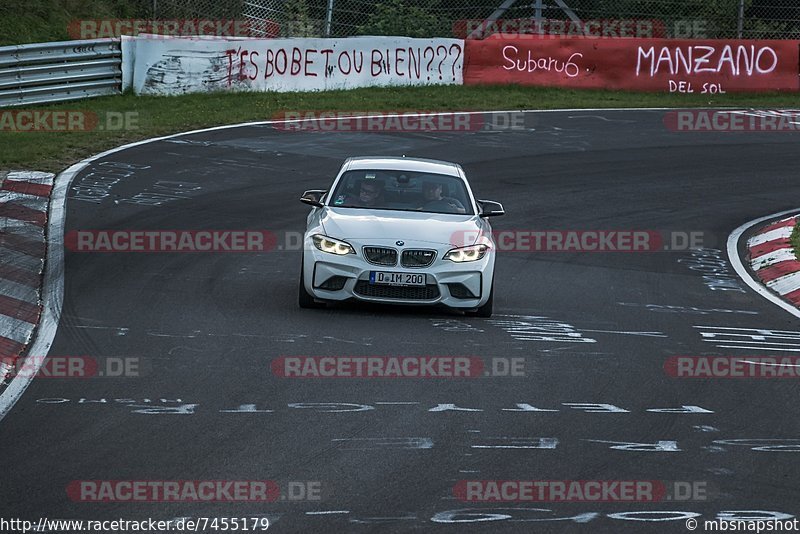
point(456, 285)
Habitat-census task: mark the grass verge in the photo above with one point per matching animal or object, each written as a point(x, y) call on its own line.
point(54, 151)
point(795, 240)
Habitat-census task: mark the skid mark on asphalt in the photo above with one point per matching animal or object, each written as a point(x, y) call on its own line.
point(335, 146)
point(213, 169)
point(705, 428)
point(171, 351)
point(666, 308)
point(570, 348)
point(191, 335)
point(600, 117)
point(720, 471)
point(368, 444)
point(326, 339)
point(279, 338)
point(118, 330)
point(623, 333)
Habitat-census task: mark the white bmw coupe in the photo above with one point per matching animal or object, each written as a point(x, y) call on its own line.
point(399, 231)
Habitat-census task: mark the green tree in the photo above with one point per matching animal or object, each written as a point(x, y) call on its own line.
point(398, 17)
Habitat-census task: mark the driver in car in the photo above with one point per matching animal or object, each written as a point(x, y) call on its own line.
point(432, 193)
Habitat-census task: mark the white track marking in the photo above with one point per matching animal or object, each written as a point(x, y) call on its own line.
point(759, 331)
point(16, 329)
point(772, 235)
point(771, 364)
point(22, 261)
point(785, 284)
point(9, 288)
point(22, 228)
point(738, 266)
point(34, 177)
point(771, 258)
point(760, 347)
point(758, 339)
point(33, 202)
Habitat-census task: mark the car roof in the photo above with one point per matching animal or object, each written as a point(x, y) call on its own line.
point(403, 164)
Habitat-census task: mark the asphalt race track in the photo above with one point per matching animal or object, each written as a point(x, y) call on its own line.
point(592, 328)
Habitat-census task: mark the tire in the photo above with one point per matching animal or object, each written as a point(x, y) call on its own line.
point(304, 299)
point(484, 311)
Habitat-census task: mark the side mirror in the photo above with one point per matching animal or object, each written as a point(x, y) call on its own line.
point(313, 197)
point(490, 208)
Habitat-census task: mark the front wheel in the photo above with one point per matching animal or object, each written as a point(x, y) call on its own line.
point(304, 299)
point(486, 309)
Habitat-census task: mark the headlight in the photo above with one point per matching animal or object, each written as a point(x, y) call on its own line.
point(473, 253)
point(332, 246)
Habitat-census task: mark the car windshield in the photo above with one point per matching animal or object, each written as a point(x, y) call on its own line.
point(402, 190)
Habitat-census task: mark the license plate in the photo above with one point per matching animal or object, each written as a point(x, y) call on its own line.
point(396, 279)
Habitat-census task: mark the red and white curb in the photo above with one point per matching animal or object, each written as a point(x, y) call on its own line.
point(772, 258)
point(24, 199)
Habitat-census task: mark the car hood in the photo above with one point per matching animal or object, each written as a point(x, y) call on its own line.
point(361, 224)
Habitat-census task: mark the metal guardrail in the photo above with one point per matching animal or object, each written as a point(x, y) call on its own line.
point(54, 72)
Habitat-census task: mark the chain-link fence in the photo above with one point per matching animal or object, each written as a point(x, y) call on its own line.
point(712, 19)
